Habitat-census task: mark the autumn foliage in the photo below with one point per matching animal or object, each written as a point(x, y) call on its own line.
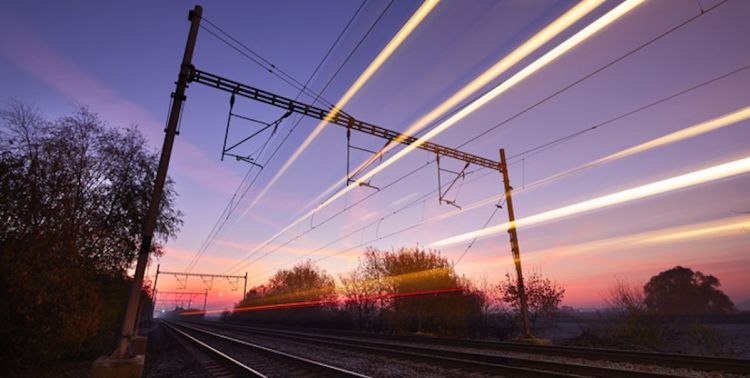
point(408, 290)
point(73, 195)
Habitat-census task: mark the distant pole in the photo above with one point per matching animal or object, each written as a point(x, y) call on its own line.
point(244, 290)
point(153, 291)
point(514, 246)
point(178, 97)
point(156, 278)
point(205, 299)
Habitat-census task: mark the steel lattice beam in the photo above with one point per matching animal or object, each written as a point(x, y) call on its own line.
point(200, 275)
point(339, 118)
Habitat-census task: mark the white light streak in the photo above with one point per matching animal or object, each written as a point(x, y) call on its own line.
point(702, 176)
point(384, 54)
point(535, 66)
point(532, 44)
point(689, 132)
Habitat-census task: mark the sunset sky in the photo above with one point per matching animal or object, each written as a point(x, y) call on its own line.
point(121, 60)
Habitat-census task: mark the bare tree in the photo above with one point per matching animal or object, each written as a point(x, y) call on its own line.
point(542, 295)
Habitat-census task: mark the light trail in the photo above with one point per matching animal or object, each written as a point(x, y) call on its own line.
point(323, 302)
point(341, 289)
point(570, 17)
point(535, 66)
point(689, 132)
point(532, 68)
point(384, 54)
point(706, 230)
point(698, 231)
point(702, 176)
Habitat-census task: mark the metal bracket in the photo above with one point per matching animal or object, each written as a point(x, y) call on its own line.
point(375, 155)
point(208, 282)
point(225, 151)
point(246, 159)
point(181, 283)
point(234, 284)
point(443, 193)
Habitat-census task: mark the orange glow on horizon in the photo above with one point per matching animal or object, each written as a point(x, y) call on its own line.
point(321, 302)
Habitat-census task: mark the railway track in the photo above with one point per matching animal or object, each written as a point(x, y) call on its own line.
point(246, 359)
point(449, 359)
point(714, 364)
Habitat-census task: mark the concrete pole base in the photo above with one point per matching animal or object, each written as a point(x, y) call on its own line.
point(138, 344)
point(118, 367)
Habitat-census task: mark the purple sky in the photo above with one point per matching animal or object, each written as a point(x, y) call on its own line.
point(121, 59)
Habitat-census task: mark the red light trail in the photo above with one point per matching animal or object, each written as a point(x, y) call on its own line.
point(322, 302)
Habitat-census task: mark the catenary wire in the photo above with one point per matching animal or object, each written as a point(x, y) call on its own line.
point(326, 86)
point(629, 53)
point(593, 73)
point(229, 209)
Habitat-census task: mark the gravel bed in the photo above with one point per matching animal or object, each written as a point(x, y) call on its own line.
point(262, 362)
point(363, 363)
point(167, 357)
point(680, 372)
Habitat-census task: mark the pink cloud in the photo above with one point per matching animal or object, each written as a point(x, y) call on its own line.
point(187, 255)
point(44, 62)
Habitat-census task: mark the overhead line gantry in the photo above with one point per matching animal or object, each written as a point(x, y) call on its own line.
point(340, 118)
point(334, 116)
point(188, 73)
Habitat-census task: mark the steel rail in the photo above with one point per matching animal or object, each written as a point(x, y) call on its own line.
point(328, 370)
point(231, 363)
point(725, 364)
point(515, 366)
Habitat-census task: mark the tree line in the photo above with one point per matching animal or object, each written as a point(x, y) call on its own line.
point(408, 290)
point(414, 291)
point(73, 194)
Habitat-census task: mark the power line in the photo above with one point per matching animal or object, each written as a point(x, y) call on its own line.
point(316, 98)
point(533, 185)
point(259, 60)
point(435, 130)
point(546, 146)
point(403, 177)
point(320, 64)
point(334, 113)
point(346, 60)
point(223, 218)
point(593, 73)
point(584, 33)
point(362, 228)
point(230, 208)
point(486, 223)
point(572, 84)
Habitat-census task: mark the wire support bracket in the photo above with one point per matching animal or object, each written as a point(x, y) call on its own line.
point(249, 158)
point(334, 116)
point(351, 177)
point(460, 175)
